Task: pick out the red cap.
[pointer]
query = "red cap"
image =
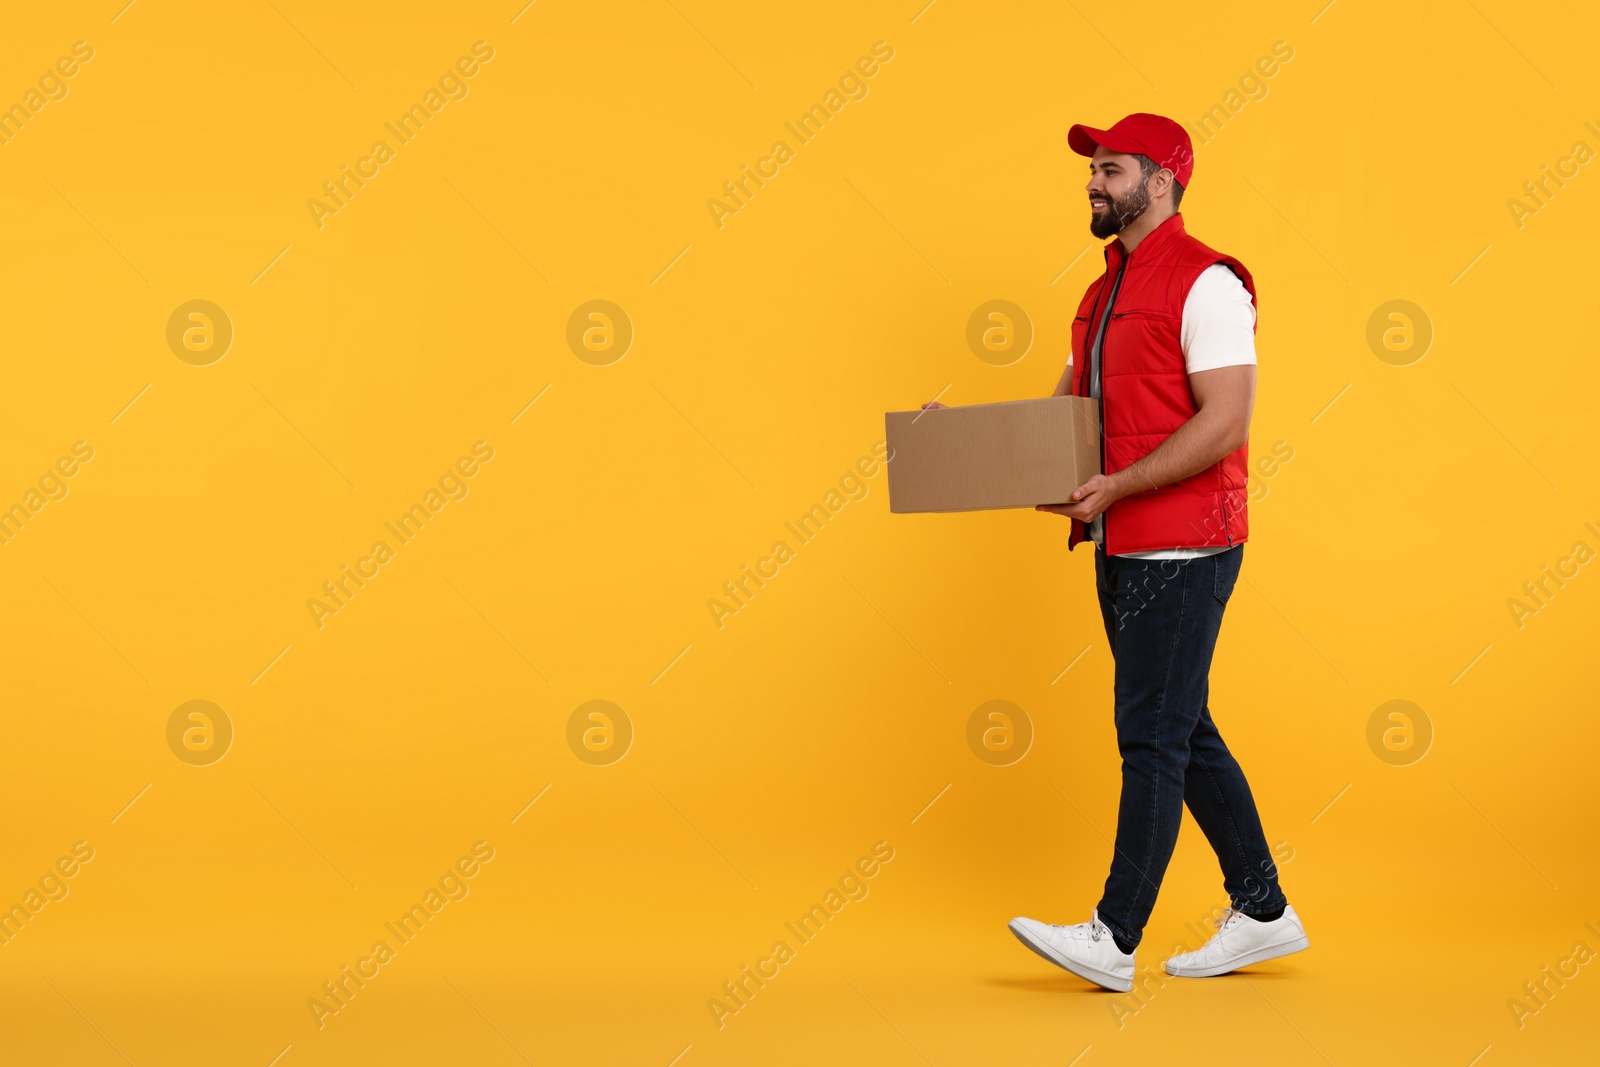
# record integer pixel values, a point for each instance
(1156, 136)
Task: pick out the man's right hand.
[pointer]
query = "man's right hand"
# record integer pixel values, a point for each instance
(931, 405)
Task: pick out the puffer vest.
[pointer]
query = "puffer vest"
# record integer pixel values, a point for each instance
(1145, 395)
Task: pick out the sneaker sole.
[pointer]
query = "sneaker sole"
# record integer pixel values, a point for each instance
(1088, 974)
(1260, 955)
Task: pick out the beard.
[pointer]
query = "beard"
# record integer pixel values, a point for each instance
(1122, 210)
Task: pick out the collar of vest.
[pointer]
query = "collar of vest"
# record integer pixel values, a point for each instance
(1169, 232)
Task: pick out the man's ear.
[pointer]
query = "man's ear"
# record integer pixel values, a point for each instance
(1161, 183)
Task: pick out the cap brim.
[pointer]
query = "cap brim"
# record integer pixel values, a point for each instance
(1085, 139)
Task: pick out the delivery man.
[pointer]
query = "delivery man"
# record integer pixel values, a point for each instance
(1165, 340)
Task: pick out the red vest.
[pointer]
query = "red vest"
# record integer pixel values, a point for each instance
(1145, 395)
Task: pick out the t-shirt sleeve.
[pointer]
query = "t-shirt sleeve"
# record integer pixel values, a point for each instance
(1218, 322)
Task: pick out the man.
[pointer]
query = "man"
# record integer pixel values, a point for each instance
(1165, 340)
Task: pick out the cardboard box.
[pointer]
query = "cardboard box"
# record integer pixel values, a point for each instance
(1010, 455)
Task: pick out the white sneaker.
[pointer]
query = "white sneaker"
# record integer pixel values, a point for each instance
(1085, 949)
(1241, 941)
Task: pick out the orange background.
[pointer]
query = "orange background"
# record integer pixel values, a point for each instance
(369, 354)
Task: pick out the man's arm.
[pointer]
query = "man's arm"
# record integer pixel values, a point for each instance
(1064, 386)
(1224, 397)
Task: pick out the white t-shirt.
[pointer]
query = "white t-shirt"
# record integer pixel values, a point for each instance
(1218, 330)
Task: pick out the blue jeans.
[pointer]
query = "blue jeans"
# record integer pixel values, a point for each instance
(1162, 618)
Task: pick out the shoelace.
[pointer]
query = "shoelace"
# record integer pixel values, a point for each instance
(1227, 915)
(1094, 929)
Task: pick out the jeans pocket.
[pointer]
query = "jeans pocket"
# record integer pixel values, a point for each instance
(1226, 573)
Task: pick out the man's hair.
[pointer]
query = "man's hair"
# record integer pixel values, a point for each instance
(1148, 166)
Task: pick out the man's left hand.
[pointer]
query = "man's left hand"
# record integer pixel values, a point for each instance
(1089, 500)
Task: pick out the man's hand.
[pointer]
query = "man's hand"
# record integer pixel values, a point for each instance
(1090, 499)
(930, 405)
(1224, 398)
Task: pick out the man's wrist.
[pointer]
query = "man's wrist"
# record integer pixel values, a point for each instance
(1119, 484)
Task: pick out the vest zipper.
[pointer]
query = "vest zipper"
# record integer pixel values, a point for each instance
(1087, 363)
(1097, 366)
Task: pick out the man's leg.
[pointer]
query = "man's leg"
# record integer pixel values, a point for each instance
(1163, 621)
(1087, 949)
(1219, 797)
